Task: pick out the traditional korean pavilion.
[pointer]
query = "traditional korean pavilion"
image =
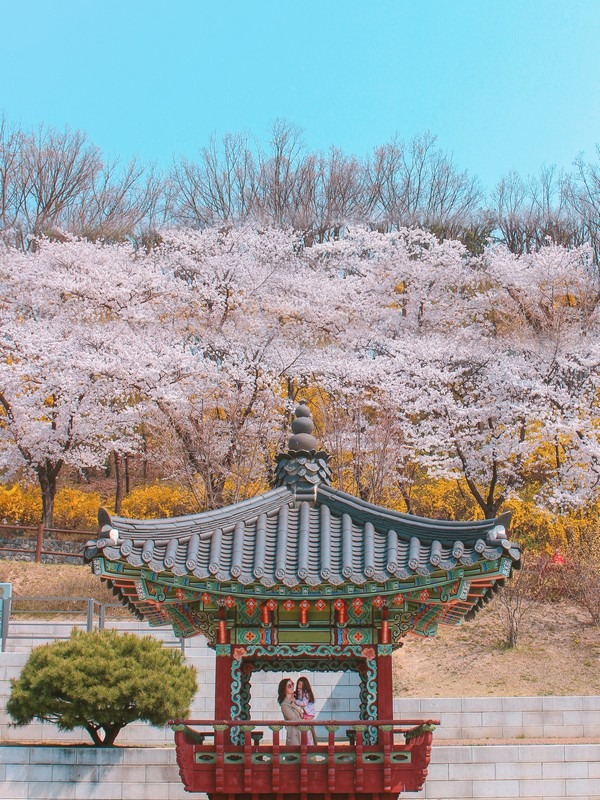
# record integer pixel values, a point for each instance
(303, 577)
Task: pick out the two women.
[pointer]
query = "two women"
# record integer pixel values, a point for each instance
(297, 703)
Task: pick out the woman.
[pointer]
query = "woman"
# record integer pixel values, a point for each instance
(290, 710)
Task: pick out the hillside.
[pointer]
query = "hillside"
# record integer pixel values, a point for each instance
(558, 652)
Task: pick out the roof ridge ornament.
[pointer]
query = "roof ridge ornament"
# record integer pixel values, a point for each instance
(302, 428)
(303, 467)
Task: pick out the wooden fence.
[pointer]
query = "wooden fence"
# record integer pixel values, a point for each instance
(37, 534)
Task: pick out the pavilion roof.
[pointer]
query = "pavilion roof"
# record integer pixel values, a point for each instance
(274, 540)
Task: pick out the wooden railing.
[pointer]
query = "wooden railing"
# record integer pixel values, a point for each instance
(236, 758)
(37, 533)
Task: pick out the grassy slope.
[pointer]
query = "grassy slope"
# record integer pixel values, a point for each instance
(558, 652)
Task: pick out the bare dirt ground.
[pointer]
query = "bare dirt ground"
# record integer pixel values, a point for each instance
(558, 652)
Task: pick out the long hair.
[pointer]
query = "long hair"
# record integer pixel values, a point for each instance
(281, 690)
(306, 687)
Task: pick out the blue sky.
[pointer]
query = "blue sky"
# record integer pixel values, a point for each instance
(504, 84)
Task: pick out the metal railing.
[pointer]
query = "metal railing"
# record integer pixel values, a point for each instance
(86, 613)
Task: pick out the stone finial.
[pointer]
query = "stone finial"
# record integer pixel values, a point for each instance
(302, 428)
(302, 468)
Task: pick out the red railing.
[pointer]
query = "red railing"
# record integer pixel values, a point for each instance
(38, 533)
(391, 758)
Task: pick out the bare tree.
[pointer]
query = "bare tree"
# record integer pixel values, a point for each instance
(417, 184)
(279, 173)
(530, 213)
(221, 188)
(120, 202)
(521, 594)
(586, 199)
(58, 169)
(328, 195)
(53, 181)
(11, 167)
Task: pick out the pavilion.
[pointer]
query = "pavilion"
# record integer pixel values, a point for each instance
(303, 577)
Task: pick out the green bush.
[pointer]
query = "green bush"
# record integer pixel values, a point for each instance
(102, 681)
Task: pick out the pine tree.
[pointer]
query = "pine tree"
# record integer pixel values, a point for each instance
(102, 681)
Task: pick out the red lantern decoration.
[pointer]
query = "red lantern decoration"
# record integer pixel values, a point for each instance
(222, 629)
(341, 607)
(304, 607)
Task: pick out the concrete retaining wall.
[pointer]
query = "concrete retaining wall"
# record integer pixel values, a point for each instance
(515, 771)
(538, 772)
(507, 717)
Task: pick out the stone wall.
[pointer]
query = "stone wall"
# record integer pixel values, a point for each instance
(74, 546)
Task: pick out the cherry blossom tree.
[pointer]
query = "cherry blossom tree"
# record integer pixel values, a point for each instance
(420, 358)
(84, 332)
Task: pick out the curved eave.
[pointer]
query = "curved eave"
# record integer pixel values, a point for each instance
(205, 522)
(407, 525)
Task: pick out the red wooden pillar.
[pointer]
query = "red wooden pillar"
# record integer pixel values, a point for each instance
(224, 661)
(385, 700)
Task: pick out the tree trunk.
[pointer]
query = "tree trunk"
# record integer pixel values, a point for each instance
(216, 489)
(110, 734)
(119, 482)
(127, 476)
(93, 732)
(47, 477)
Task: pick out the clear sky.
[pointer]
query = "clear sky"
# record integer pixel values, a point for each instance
(502, 83)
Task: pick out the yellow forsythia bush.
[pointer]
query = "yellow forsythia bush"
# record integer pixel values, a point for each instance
(76, 509)
(533, 527)
(73, 508)
(20, 504)
(443, 499)
(158, 500)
